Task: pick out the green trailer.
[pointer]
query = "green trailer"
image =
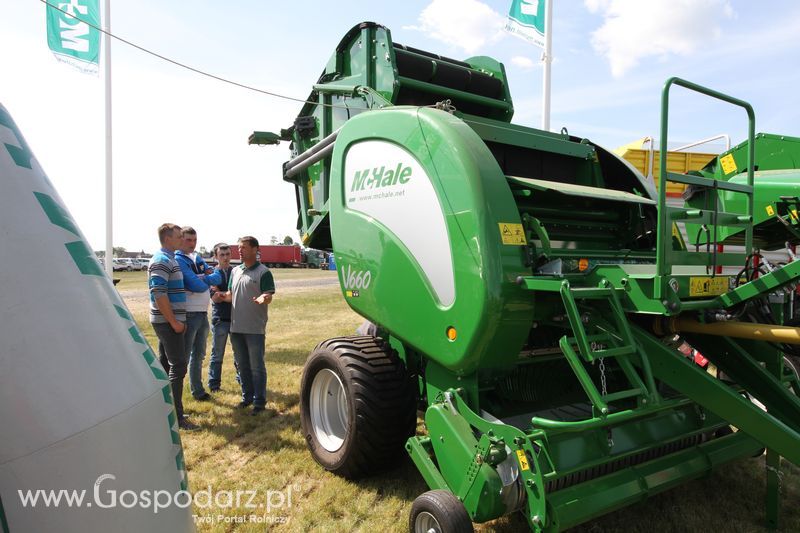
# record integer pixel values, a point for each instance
(529, 291)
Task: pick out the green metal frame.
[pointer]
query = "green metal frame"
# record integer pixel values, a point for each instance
(666, 258)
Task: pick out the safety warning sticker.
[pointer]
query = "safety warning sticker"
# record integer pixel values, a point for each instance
(512, 234)
(706, 286)
(523, 460)
(728, 164)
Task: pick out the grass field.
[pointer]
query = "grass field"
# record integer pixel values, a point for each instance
(234, 451)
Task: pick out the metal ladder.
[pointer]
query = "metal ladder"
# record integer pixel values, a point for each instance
(613, 340)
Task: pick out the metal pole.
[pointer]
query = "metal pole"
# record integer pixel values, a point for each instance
(547, 58)
(109, 197)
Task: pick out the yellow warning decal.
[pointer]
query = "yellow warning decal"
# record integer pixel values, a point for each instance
(523, 460)
(512, 234)
(728, 164)
(770, 210)
(310, 194)
(705, 286)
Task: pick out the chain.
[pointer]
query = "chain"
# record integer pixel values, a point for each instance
(444, 105)
(603, 376)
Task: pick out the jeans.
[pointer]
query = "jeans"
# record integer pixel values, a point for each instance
(172, 355)
(248, 351)
(195, 346)
(219, 337)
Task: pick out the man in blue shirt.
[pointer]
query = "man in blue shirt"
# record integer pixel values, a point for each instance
(220, 317)
(197, 277)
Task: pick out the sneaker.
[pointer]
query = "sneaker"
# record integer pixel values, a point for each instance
(186, 425)
(214, 389)
(257, 411)
(244, 405)
(203, 397)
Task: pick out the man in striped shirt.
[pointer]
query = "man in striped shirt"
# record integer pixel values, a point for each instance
(168, 313)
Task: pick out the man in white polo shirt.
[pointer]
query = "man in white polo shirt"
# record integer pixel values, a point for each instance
(250, 292)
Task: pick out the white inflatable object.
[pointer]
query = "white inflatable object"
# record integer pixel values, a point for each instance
(85, 407)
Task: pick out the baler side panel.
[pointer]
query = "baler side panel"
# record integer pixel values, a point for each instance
(490, 315)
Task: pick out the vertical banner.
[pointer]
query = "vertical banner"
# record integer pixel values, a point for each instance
(71, 39)
(526, 19)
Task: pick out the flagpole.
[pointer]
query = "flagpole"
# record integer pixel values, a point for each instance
(547, 59)
(109, 196)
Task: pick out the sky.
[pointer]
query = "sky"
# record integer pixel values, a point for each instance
(180, 151)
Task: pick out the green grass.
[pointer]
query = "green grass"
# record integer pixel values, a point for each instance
(131, 280)
(234, 451)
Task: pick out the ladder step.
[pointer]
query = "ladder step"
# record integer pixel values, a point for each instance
(614, 352)
(614, 396)
(584, 293)
(603, 338)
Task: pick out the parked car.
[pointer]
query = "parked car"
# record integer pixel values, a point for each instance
(123, 264)
(141, 263)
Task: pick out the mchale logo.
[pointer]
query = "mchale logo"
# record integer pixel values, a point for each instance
(380, 177)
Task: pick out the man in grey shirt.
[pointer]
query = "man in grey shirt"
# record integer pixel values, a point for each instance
(250, 292)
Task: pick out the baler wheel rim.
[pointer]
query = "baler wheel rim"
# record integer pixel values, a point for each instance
(439, 511)
(427, 523)
(328, 409)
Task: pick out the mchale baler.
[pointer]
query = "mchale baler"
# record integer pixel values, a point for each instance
(530, 291)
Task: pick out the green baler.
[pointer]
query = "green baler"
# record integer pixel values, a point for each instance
(529, 291)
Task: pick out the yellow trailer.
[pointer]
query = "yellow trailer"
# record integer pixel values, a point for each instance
(642, 155)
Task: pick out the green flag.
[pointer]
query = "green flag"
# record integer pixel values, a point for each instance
(526, 20)
(71, 39)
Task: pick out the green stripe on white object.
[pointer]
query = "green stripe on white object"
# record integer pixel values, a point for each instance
(98, 409)
(3, 521)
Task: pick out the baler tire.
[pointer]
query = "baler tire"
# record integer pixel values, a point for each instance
(380, 403)
(440, 506)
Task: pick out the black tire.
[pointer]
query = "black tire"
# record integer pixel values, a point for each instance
(380, 405)
(439, 511)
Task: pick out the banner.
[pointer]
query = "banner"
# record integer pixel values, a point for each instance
(72, 40)
(526, 20)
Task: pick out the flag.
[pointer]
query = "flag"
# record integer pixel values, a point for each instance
(71, 39)
(526, 20)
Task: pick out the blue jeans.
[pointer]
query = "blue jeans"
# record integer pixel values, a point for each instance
(219, 337)
(248, 351)
(196, 337)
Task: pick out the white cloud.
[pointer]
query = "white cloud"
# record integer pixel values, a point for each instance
(467, 24)
(634, 30)
(523, 62)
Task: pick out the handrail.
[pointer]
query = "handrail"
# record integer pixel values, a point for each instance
(707, 140)
(664, 225)
(650, 157)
